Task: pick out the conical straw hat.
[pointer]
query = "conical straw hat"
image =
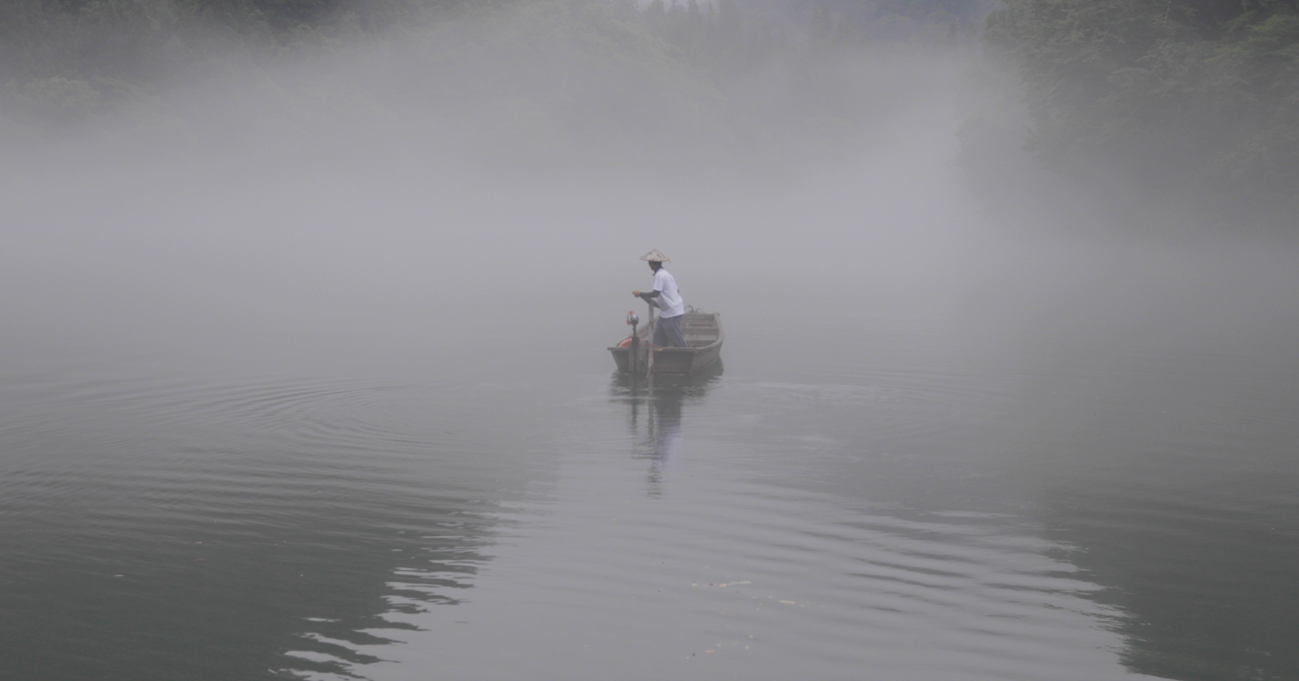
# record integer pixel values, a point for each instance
(656, 256)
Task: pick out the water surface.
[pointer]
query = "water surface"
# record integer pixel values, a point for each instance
(897, 496)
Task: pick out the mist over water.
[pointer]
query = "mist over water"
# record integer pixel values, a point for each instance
(304, 375)
(288, 204)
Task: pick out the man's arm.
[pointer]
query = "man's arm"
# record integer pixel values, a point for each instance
(647, 295)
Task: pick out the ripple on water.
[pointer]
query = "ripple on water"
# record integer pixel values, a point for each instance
(733, 574)
(233, 514)
(893, 404)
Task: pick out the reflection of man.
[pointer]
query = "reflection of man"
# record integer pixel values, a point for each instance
(668, 329)
(665, 432)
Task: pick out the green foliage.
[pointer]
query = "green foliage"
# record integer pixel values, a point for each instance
(681, 88)
(1180, 100)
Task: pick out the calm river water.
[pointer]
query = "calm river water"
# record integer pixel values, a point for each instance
(870, 501)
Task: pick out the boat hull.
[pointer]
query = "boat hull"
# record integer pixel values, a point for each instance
(703, 332)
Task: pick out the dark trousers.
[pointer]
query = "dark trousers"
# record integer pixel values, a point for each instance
(667, 332)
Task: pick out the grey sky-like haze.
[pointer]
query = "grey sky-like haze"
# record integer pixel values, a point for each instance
(470, 183)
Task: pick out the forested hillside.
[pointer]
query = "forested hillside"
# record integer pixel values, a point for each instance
(136, 40)
(1186, 105)
(683, 87)
(1148, 107)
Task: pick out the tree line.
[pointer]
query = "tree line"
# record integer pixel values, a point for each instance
(1188, 105)
(1191, 103)
(132, 39)
(701, 77)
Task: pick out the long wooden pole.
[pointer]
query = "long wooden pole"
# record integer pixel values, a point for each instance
(652, 321)
(633, 353)
(649, 347)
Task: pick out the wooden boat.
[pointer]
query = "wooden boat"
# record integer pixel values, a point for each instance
(703, 332)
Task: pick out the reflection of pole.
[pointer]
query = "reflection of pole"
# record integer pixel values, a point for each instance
(635, 411)
(649, 400)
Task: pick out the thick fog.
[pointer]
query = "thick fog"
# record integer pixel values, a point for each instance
(329, 304)
(411, 198)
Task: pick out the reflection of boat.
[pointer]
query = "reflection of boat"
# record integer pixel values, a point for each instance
(657, 427)
(703, 332)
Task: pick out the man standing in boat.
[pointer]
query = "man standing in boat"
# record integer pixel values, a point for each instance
(667, 332)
